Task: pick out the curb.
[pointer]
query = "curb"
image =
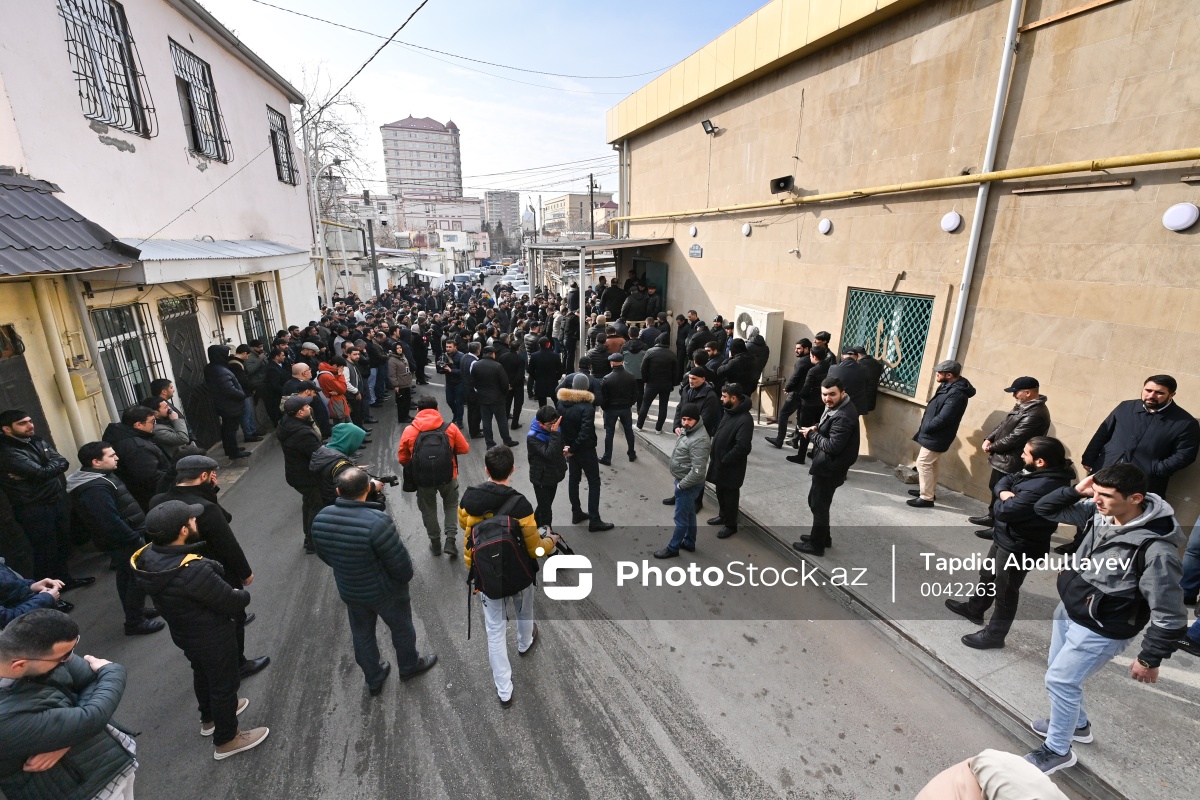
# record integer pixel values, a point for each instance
(1081, 778)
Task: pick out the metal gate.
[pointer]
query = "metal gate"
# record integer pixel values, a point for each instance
(16, 384)
(185, 349)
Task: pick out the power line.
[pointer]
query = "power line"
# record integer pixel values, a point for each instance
(455, 55)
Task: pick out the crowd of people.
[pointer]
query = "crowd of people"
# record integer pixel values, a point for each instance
(146, 495)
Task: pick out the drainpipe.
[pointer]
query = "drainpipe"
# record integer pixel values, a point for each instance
(42, 288)
(625, 198)
(989, 163)
(89, 337)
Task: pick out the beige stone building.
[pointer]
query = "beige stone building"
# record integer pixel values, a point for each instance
(1077, 281)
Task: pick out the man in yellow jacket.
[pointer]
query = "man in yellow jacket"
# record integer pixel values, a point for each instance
(482, 502)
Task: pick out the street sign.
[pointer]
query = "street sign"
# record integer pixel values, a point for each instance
(696, 251)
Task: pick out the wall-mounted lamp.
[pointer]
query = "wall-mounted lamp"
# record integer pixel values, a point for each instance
(709, 128)
(824, 226)
(692, 230)
(746, 229)
(951, 221)
(1181, 216)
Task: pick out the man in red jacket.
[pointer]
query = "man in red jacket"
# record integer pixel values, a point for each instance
(444, 441)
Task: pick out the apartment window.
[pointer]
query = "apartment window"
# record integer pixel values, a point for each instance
(108, 74)
(281, 143)
(202, 119)
(129, 350)
(456, 226)
(259, 322)
(893, 328)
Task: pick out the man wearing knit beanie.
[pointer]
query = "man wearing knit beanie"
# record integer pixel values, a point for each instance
(689, 460)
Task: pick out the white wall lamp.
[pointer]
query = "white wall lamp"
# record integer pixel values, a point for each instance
(692, 231)
(1180, 217)
(746, 229)
(824, 226)
(951, 221)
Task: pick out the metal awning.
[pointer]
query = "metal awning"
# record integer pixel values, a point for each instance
(597, 245)
(41, 234)
(185, 249)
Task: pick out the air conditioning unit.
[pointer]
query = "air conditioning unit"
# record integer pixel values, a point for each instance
(769, 322)
(234, 297)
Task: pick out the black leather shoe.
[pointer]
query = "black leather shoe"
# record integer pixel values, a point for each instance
(507, 703)
(423, 665)
(144, 627)
(240, 454)
(632, 457)
(249, 618)
(981, 640)
(963, 610)
(377, 688)
(984, 534)
(809, 548)
(983, 520)
(715, 521)
(915, 492)
(510, 443)
(578, 517)
(76, 583)
(778, 445)
(670, 501)
(253, 666)
(600, 525)
(515, 426)
(919, 502)
(807, 537)
(666, 552)
(726, 532)
(64, 606)
(796, 459)
(605, 461)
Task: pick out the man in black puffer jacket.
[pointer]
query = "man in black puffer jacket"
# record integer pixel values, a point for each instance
(199, 605)
(939, 426)
(545, 369)
(102, 504)
(1019, 531)
(227, 397)
(547, 464)
(620, 393)
(372, 570)
(658, 375)
(739, 368)
(300, 438)
(143, 465)
(729, 452)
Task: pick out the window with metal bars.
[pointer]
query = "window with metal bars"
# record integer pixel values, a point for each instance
(128, 348)
(259, 322)
(202, 119)
(281, 144)
(108, 73)
(893, 328)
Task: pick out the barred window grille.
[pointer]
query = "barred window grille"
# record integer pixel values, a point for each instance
(108, 73)
(893, 328)
(128, 348)
(259, 322)
(202, 119)
(281, 143)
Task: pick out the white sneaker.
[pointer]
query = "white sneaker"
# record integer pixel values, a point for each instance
(208, 728)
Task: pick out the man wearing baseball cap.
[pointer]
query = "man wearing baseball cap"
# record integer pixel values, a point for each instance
(1028, 418)
(939, 426)
(199, 606)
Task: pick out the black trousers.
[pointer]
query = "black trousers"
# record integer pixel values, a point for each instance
(133, 597)
(1008, 582)
(47, 527)
(612, 417)
(820, 498)
(790, 406)
(403, 404)
(663, 393)
(569, 355)
(499, 413)
(312, 503)
(544, 513)
(728, 500)
(809, 415)
(516, 399)
(474, 418)
(230, 423)
(215, 679)
(578, 465)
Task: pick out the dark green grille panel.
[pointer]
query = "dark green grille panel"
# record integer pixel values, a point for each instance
(893, 328)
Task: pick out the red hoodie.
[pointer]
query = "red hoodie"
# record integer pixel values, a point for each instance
(430, 420)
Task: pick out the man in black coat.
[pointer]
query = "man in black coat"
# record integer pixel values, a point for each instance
(299, 439)
(545, 369)
(654, 301)
(1153, 433)
(144, 466)
(791, 389)
(491, 385)
(873, 368)
(730, 449)
(31, 474)
(811, 404)
(612, 300)
(700, 392)
(1018, 531)
(739, 368)
(199, 605)
(939, 426)
(854, 378)
(577, 407)
(598, 356)
(658, 377)
(514, 367)
(196, 484)
(620, 394)
(275, 376)
(683, 331)
(835, 449)
(227, 397)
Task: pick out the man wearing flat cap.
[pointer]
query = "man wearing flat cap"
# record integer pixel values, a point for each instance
(620, 393)
(300, 438)
(199, 605)
(939, 426)
(1029, 418)
(196, 486)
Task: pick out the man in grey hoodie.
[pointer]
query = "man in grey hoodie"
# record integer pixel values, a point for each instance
(1124, 575)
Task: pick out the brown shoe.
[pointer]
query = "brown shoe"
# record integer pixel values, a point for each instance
(245, 740)
(209, 728)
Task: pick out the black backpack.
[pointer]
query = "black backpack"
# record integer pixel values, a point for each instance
(432, 461)
(500, 564)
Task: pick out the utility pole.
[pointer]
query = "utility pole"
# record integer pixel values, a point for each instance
(592, 204)
(371, 239)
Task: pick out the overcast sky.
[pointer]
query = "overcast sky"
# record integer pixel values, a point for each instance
(506, 125)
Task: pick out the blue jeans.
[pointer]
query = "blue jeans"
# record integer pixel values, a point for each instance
(380, 383)
(371, 378)
(1191, 563)
(1076, 654)
(454, 399)
(611, 417)
(396, 612)
(248, 426)
(685, 516)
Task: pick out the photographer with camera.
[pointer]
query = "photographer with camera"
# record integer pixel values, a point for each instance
(331, 460)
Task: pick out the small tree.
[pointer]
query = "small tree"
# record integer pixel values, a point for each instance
(332, 127)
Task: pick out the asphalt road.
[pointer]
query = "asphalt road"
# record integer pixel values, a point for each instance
(717, 702)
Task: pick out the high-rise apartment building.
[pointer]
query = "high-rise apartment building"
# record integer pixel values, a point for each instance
(422, 158)
(503, 207)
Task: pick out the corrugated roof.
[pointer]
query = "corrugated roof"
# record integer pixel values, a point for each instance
(184, 249)
(40, 233)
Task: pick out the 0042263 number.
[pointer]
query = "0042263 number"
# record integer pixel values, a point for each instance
(958, 590)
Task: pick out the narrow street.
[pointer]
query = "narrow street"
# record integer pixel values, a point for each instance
(604, 708)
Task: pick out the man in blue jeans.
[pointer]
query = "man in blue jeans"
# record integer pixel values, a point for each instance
(451, 367)
(689, 461)
(1134, 580)
(371, 567)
